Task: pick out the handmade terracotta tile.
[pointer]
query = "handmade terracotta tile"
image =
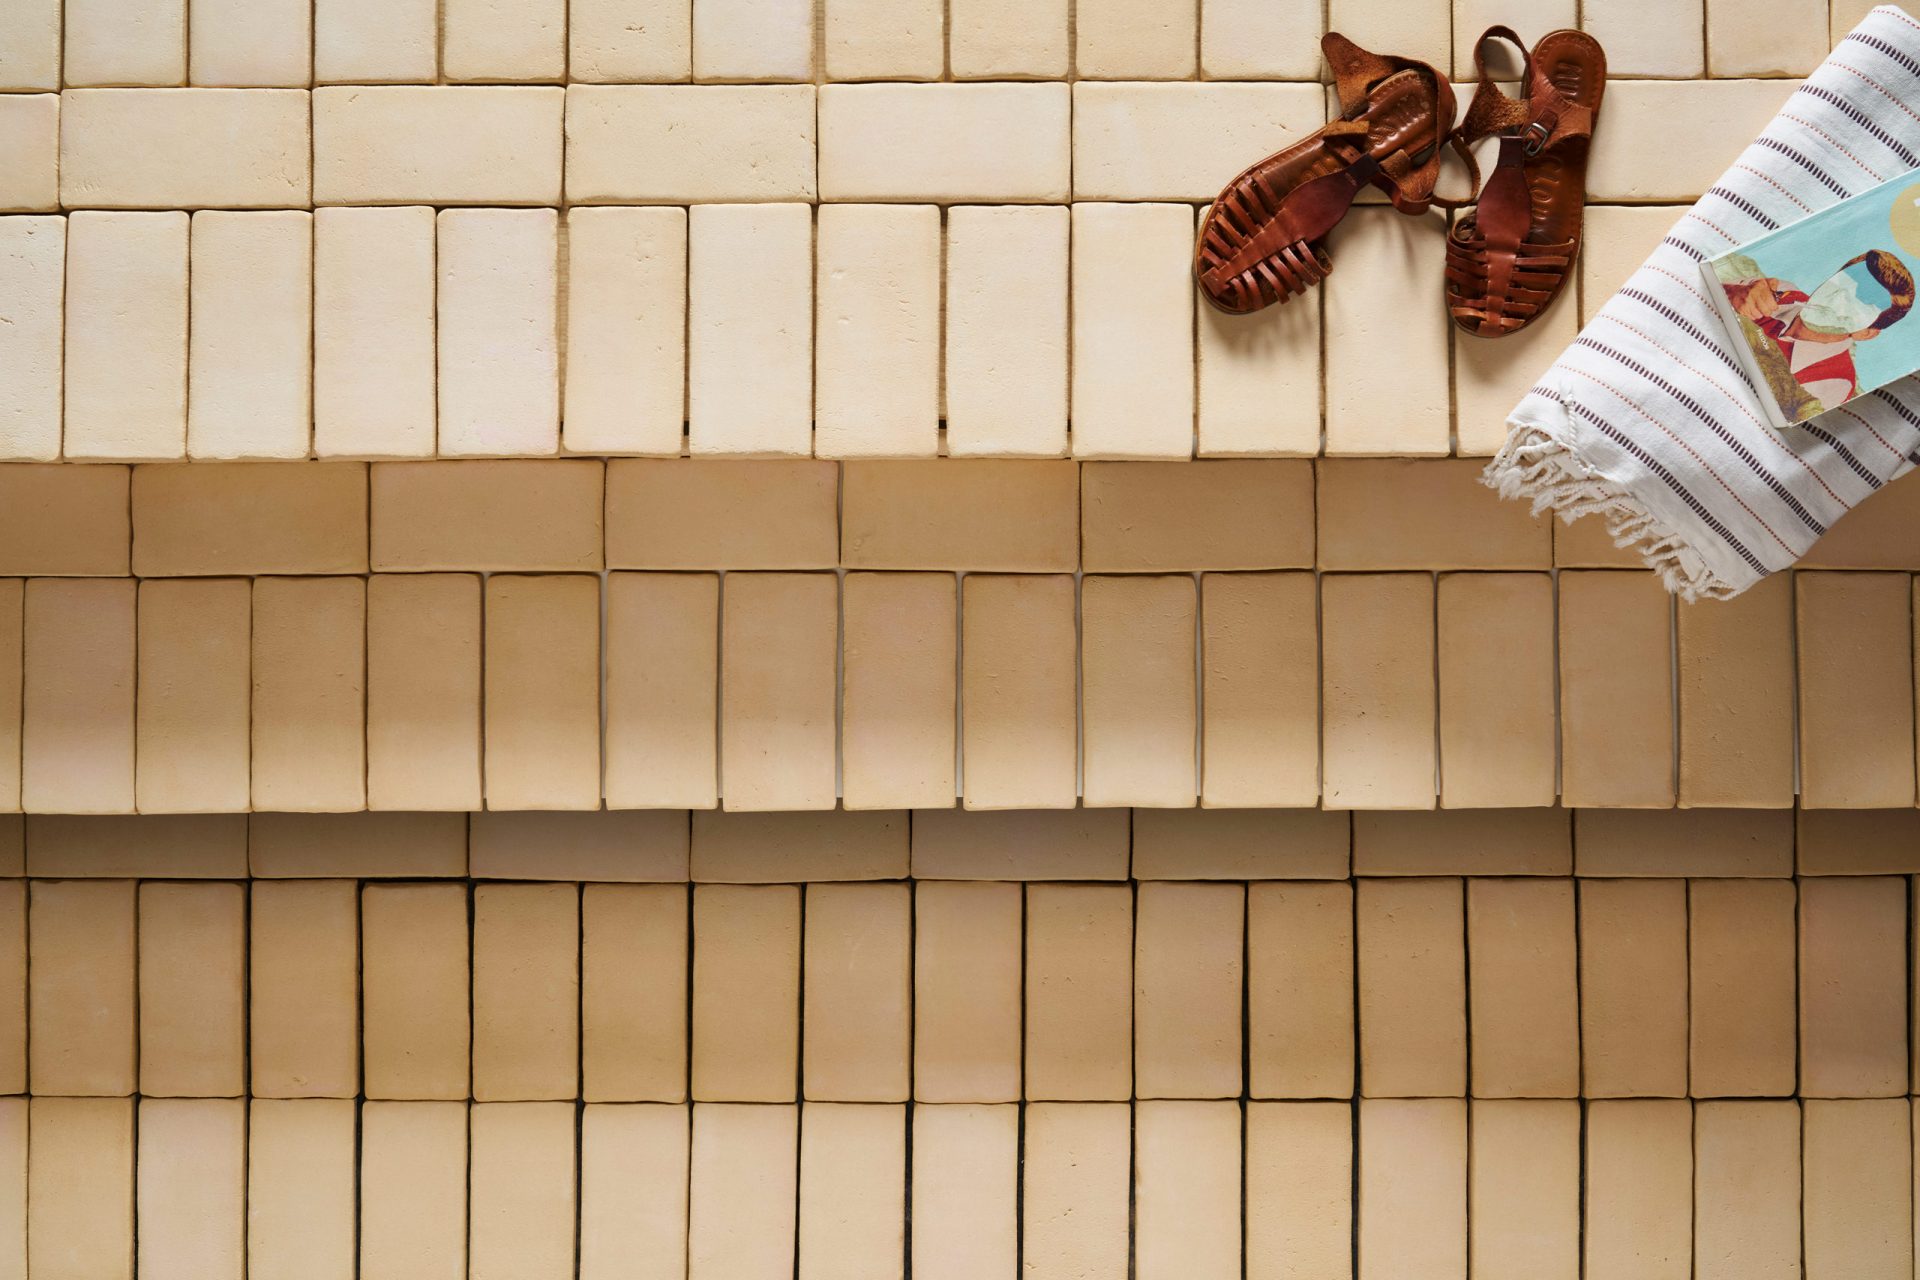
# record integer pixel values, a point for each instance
(743, 1194)
(193, 701)
(853, 1165)
(876, 385)
(1377, 691)
(1736, 708)
(967, 971)
(1300, 992)
(1857, 1186)
(1412, 1195)
(1746, 1190)
(192, 992)
(522, 1200)
(82, 1029)
(626, 355)
(423, 691)
(1616, 691)
(301, 1156)
(965, 1183)
(633, 993)
(898, 695)
(746, 993)
(1186, 1189)
(857, 1000)
(416, 990)
(1139, 702)
(374, 376)
(1524, 988)
(1411, 948)
(1639, 1189)
(303, 980)
(541, 692)
(1855, 646)
(1079, 1027)
(1853, 980)
(413, 1190)
(1497, 690)
(1523, 1189)
(526, 992)
(1188, 973)
(250, 335)
(190, 1186)
(1633, 988)
(1741, 988)
(1074, 1190)
(633, 1191)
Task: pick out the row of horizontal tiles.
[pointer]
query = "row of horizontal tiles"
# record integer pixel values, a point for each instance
(869, 330)
(840, 846)
(775, 691)
(46, 44)
(975, 515)
(957, 991)
(699, 144)
(1160, 1190)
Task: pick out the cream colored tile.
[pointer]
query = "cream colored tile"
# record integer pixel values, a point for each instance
(1005, 372)
(779, 639)
(374, 375)
(541, 692)
(898, 690)
(1377, 691)
(309, 694)
(857, 1001)
(1412, 1003)
(1413, 1188)
(1079, 1028)
(1855, 641)
(1639, 1189)
(1497, 689)
(626, 353)
(1381, 298)
(1139, 704)
(1616, 691)
(1133, 389)
(526, 992)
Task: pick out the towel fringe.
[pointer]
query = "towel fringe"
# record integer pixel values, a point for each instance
(1534, 465)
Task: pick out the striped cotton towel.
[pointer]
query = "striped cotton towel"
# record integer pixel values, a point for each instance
(1647, 420)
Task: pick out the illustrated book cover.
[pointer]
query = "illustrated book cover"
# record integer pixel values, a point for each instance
(1818, 309)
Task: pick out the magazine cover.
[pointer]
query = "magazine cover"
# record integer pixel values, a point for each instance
(1819, 308)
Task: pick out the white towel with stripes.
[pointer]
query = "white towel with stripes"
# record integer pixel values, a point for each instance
(1647, 420)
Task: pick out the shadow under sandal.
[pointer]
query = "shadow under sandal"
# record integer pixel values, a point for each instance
(1510, 257)
(1260, 243)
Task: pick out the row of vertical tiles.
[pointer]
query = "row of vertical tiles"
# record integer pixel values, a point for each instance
(772, 691)
(1159, 1190)
(714, 846)
(977, 515)
(46, 44)
(962, 991)
(870, 330)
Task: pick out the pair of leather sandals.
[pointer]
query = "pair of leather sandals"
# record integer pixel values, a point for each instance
(1263, 241)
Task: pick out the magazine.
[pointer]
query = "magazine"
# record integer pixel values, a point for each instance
(1818, 309)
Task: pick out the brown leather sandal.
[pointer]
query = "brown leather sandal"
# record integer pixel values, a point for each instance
(1260, 243)
(1511, 256)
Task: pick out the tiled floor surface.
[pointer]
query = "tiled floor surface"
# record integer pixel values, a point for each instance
(1358, 633)
(896, 1037)
(355, 229)
(1432, 1045)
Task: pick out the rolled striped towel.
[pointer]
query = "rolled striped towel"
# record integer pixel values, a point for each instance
(1647, 420)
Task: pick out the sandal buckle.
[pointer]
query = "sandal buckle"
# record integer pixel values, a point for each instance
(1537, 134)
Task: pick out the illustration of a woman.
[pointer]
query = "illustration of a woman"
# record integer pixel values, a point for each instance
(1815, 333)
